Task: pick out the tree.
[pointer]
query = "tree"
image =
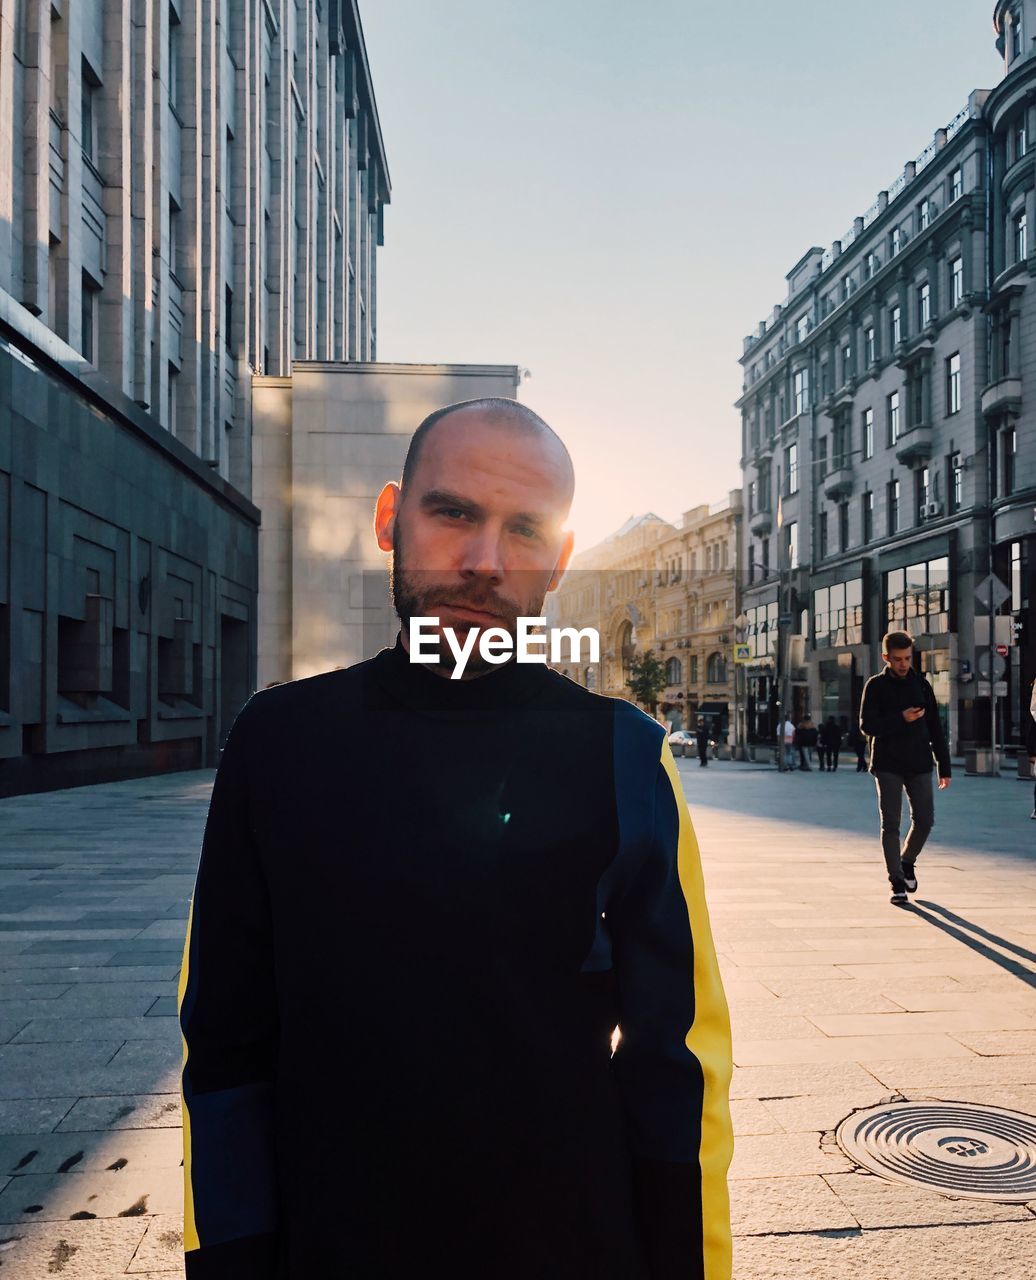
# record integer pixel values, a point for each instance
(647, 680)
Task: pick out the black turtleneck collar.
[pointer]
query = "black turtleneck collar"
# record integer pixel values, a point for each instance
(419, 687)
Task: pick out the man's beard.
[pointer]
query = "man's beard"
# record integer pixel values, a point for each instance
(414, 598)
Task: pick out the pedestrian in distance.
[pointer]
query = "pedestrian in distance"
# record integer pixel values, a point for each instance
(1030, 743)
(806, 739)
(424, 906)
(701, 737)
(830, 744)
(858, 744)
(787, 744)
(900, 716)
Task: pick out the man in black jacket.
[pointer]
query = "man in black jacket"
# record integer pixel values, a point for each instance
(899, 715)
(424, 905)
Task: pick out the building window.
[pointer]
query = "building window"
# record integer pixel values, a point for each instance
(716, 669)
(955, 485)
(870, 265)
(821, 463)
(922, 492)
(895, 241)
(800, 383)
(956, 183)
(892, 414)
(90, 100)
(766, 557)
(751, 563)
(822, 534)
(843, 526)
(924, 214)
(171, 398)
(953, 383)
(1019, 598)
(694, 669)
(869, 350)
(1010, 447)
(956, 281)
(801, 328)
(867, 433)
(228, 319)
(1021, 137)
(1006, 328)
(174, 59)
(924, 306)
(867, 518)
(674, 671)
(847, 363)
(1016, 32)
(88, 319)
(793, 545)
(791, 467)
(174, 239)
(895, 326)
(1021, 236)
(917, 598)
(752, 490)
(838, 614)
(892, 492)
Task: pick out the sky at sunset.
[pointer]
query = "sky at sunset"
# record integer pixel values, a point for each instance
(609, 195)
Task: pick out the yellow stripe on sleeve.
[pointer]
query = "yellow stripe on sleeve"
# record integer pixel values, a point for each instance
(190, 1230)
(709, 1041)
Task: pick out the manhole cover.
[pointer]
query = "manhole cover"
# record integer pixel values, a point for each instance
(977, 1153)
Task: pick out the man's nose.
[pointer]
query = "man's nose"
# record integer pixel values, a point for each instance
(483, 554)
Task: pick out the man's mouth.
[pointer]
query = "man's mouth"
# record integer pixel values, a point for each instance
(478, 617)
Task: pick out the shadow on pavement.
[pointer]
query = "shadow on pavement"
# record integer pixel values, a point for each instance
(931, 911)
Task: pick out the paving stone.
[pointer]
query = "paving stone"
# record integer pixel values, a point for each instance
(911, 1074)
(64, 1030)
(762, 1206)
(32, 1115)
(818, 1114)
(98, 1250)
(875, 1202)
(994, 1251)
(161, 1250)
(749, 1117)
(771, 1026)
(62, 1152)
(804, 1080)
(952, 1022)
(757, 1053)
(785, 1155)
(141, 1111)
(1001, 1043)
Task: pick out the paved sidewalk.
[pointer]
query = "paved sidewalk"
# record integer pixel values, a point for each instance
(839, 1001)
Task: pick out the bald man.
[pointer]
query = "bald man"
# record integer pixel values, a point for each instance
(424, 906)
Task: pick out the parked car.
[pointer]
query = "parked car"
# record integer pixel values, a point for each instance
(683, 743)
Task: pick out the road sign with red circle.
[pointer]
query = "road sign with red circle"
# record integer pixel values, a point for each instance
(1002, 650)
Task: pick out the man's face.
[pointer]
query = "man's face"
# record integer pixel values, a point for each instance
(900, 661)
(477, 536)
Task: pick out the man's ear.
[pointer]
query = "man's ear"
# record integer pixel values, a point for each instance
(385, 513)
(562, 564)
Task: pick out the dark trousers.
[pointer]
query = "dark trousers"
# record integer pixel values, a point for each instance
(828, 757)
(703, 754)
(918, 787)
(804, 758)
(861, 758)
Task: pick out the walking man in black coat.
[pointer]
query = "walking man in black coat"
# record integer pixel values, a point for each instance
(900, 716)
(701, 737)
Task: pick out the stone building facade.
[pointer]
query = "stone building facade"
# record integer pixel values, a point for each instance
(888, 463)
(668, 588)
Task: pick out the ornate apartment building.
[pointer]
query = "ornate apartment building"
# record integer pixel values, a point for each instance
(192, 196)
(888, 456)
(667, 588)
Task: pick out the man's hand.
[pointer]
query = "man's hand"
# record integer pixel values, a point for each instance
(943, 783)
(913, 713)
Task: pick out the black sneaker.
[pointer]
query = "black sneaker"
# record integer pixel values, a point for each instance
(899, 897)
(909, 877)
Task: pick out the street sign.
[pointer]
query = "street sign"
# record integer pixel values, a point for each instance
(1000, 592)
(984, 662)
(786, 619)
(742, 653)
(999, 689)
(1002, 650)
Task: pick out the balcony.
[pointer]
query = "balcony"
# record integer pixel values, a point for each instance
(839, 484)
(1005, 394)
(761, 523)
(915, 445)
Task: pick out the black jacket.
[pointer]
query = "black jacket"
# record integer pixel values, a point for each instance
(830, 735)
(897, 745)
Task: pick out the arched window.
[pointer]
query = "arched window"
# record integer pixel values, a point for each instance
(717, 669)
(674, 671)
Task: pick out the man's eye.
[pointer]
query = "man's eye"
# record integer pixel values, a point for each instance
(453, 513)
(525, 531)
